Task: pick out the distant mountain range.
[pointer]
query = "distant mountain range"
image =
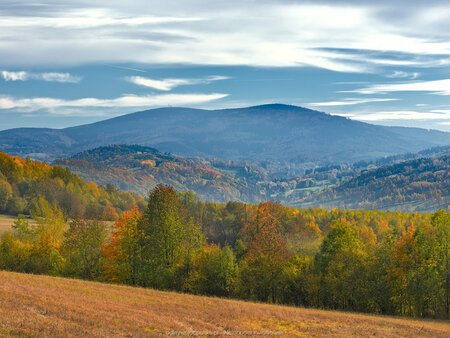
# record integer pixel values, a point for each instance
(295, 155)
(296, 137)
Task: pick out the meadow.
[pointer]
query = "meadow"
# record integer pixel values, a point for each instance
(6, 222)
(37, 305)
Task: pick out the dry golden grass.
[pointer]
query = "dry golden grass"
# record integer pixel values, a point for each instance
(5, 223)
(47, 306)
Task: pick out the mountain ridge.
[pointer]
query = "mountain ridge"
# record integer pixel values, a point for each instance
(298, 136)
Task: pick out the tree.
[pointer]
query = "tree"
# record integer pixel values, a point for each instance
(82, 249)
(341, 262)
(109, 213)
(5, 194)
(212, 271)
(48, 236)
(123, 252)
(167, 237)
(50, 222)
(267, 254)
(419, 270)
(441, 225)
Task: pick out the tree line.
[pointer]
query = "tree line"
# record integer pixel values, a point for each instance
(369, 261)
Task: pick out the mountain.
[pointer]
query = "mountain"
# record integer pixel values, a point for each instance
(275, 133)
(417, 185)
(140, 169)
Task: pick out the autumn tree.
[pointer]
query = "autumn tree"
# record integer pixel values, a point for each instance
(123, 250)
(419, 270)
(109, 213)
(266, 255)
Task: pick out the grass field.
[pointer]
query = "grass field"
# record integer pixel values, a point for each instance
(5, 223)
(32, 305)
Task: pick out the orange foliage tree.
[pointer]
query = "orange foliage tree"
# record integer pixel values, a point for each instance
(122, 252)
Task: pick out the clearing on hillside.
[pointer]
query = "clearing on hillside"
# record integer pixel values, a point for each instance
(32, 305)
(6, 222)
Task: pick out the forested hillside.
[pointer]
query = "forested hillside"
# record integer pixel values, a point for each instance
(368, 261)
(26, 185)
(140, 169)
(417, 185)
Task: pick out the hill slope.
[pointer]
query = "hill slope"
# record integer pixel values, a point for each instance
(35, 305)
(262, 133)
(24, 182)
(140, 169)
(416, 185)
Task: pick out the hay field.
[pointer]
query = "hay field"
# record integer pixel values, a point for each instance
(5, 222)
(32, 305)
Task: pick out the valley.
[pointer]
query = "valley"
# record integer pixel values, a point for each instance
(139, 169)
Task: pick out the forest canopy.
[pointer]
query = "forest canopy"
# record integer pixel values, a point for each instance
(369, 261)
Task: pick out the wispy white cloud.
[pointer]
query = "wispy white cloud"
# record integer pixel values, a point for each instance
(49, 77)
(439, 87)
(401, 74)
(442, 111)
(14, 76)
(91, 18)
(169, 84)
(52, 104)
(398, 115)
(348, 102)
(263, 33)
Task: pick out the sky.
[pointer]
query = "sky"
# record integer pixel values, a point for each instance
(65, 63)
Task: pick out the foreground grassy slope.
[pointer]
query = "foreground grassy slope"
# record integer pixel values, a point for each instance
(33, 305)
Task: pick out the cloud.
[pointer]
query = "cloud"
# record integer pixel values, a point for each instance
(169, 84)
(49, 77)
(51, 104)
(442, 111)
(90, 18)
(398, 115)
(14, 76)
(262, 33)
(347, 102)
(58, 77)
(439, 87)
(401, 74)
